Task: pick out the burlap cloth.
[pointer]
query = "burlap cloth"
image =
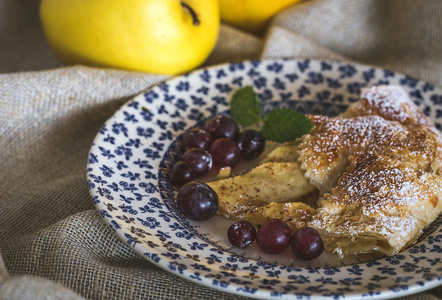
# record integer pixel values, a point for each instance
(53, 243)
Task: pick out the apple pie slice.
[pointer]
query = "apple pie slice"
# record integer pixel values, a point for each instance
(375, 171)
(380, 178)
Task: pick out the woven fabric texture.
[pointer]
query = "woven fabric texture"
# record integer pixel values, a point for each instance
(53, 243)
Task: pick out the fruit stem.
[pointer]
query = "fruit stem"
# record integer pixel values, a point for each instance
(193, 14)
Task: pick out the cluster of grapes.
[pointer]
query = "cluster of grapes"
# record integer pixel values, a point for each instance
(274, 237)
(221, 144)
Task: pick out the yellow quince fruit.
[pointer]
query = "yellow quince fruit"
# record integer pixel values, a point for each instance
(251, 15)
(157, 36)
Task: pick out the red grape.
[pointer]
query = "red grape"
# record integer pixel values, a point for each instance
(307, 244)
(222, 126)
(199, 159)
(224, 152)
(197, 138)
(241, 234)
(274, 236)
(181, 173)
(251, 143)
(197, 201)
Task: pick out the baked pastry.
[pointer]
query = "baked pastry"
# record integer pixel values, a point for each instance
(380, 182)
(380, 175)
(389, 102)
(295, 214)
(375, 172)
(266, 183)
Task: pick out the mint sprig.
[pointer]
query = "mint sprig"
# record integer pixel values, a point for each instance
(279, 125)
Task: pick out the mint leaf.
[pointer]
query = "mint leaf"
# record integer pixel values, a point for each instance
(280, 125)
(283, 125)
(245, 106)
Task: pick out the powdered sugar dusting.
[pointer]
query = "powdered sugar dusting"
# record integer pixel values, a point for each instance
(389, 102)
(380, 177)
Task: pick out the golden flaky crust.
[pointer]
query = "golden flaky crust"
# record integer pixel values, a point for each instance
(268, 182)
(378, 168)
(389, 102)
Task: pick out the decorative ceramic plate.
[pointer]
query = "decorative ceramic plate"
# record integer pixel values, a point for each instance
(129, 166)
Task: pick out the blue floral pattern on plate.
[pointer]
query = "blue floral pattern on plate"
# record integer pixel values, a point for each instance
(128, 176)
